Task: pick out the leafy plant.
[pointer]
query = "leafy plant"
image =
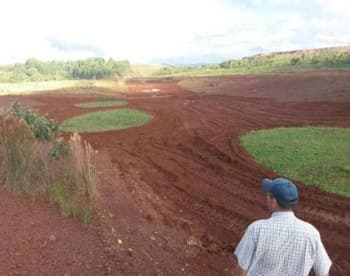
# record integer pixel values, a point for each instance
(42, 127)
(59, 149)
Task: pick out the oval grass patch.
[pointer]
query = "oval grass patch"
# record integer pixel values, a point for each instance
(314, 155)
(101, 104)
(106, 120)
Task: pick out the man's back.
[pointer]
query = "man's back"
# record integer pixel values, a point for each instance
(282, 245)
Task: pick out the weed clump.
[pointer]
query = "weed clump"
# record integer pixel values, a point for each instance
(31, 163)
(75, 192)
(19, 150)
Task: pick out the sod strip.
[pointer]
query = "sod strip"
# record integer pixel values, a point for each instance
(313, 155)
(101, 104)
(106, 120)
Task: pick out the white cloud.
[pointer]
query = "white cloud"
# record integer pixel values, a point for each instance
(339, 7)
(158, 29)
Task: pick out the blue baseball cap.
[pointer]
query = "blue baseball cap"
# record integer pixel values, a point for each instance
(284, 190)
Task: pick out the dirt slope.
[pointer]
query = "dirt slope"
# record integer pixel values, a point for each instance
(179, 192)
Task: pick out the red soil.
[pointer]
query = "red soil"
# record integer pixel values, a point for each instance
(176, 195)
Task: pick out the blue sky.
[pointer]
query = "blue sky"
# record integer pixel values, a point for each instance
(161, 31)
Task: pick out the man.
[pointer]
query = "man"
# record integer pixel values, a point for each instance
(283, 244)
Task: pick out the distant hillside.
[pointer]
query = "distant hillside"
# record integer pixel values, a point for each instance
(99, 68)
(311, 51)
(323, 57)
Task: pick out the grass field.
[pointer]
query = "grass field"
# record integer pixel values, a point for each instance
(258, 69)
(106, 120)
(33, 87)
(101, 104)
(314, 155)
(143, 70)
(121, 86)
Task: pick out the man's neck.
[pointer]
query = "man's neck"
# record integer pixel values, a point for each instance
(279, 209)
(283, 213)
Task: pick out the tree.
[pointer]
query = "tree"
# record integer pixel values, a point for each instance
(34, 63)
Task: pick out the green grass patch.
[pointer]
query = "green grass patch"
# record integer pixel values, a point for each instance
(101, 104)
(314, 155)
(106, 120)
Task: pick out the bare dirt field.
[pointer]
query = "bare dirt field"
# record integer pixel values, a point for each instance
(176, 194)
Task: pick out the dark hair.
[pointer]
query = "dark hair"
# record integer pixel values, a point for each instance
(284, 206)
(281, 205)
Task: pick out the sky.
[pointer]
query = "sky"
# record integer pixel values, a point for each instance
(164, 31)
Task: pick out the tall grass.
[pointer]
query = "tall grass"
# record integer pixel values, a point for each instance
(84, 161)
(22, 164)
(66, 172)
(76, 190)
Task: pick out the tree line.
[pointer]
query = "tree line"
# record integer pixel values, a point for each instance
(91, 68)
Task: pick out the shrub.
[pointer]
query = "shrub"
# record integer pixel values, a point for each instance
(59, 150)
(42, 127)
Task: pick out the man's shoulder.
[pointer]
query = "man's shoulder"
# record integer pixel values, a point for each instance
(256, 225)
(299, 224)
(307, 227)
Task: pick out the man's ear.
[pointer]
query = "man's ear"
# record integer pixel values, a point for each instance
(274, 203)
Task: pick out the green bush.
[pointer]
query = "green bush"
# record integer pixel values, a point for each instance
(42, 127)
(59, 150)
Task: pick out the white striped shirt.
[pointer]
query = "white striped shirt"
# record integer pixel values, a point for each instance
(282, 245)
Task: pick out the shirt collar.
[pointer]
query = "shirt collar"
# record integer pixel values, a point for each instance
(283, 214)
